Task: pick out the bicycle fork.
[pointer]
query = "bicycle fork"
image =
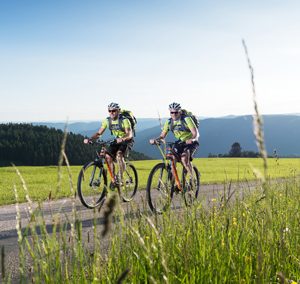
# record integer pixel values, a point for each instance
(110, 172)
(175, 174)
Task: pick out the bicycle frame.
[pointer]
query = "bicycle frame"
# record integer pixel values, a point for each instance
(102, 155)
(169, 155)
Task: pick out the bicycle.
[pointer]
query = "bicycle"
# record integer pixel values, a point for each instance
(92, 179)
(164, 180)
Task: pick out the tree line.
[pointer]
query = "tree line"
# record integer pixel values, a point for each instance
(25, 144)
(236, 152)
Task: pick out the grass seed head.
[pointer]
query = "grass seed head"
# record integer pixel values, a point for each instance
(110, 206)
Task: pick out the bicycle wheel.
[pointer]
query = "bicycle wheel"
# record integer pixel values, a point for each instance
(191, 186)
(160, 188)
(92, 184)
(129, 183)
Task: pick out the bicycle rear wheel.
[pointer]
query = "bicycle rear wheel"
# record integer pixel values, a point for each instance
(160, 187)
(191, 186)
(129, 183)
(92, 185)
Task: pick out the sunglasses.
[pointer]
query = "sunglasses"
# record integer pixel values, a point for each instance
(113, 110)
(173, 112)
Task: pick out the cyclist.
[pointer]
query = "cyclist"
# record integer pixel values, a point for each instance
(120, 127)
(184, 130)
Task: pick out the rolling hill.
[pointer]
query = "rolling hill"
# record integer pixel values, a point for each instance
(282, 132)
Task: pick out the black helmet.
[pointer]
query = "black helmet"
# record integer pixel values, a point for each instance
(175, 106)
(113, 106)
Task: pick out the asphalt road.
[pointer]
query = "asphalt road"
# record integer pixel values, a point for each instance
(63, 209)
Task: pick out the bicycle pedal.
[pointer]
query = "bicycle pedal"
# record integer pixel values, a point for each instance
(188, 188)
(96, 183)
(177, 189)
(112, 186)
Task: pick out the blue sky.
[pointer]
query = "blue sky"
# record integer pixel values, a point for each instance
(70, 59)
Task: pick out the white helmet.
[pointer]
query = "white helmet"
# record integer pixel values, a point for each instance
(113, 106)
(175, 106)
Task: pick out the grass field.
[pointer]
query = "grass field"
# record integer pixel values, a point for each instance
(255, 239)
(41, 181)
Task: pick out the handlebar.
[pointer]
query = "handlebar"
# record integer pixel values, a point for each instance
(102, 142)
(167, 150)
(158, 142)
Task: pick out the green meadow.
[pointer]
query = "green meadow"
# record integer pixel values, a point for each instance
(42, 182)
(255, 239)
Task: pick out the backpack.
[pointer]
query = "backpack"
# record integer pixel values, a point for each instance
(123, 115)
(184, 114)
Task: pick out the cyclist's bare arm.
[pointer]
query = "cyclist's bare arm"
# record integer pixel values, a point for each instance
(128, 136)
(162, 136)
(95, 136)
(195, 135)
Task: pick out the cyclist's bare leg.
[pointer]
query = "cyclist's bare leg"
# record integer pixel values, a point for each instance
(110, 162)
(186, 161)
(121, 162)
(173, 169)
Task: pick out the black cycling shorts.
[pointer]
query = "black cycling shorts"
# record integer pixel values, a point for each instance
(124, 147)
(181, 148)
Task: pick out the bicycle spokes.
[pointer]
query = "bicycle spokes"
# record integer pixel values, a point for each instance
(127, 183)
(95, 181)
(159, 188)
(191, 184)
(91, 185)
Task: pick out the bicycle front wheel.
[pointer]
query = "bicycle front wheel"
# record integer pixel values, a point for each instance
(92, 185)
(160, 188)
(129, 183)
(191, 186)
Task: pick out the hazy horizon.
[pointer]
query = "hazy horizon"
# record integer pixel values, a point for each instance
(100, 119)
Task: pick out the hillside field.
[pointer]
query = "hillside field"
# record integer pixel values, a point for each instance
(40, 181)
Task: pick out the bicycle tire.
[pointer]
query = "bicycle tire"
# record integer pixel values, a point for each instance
(129, 184)
(159, 197)
(91, 192)
(191, 196)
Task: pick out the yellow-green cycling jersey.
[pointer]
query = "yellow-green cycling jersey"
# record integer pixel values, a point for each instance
(181, 128)
(117, 126)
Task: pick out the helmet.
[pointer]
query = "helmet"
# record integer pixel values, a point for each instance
(112, 106)
(175, 106)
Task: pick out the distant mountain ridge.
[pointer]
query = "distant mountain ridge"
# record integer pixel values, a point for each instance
(89, 128)
(282, 132)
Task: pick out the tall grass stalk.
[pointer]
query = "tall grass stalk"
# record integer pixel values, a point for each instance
(257, 118)
(61, 160)
(24, 186)
(2, 262)
(20, 236)
(267, 222)
(259, 135)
